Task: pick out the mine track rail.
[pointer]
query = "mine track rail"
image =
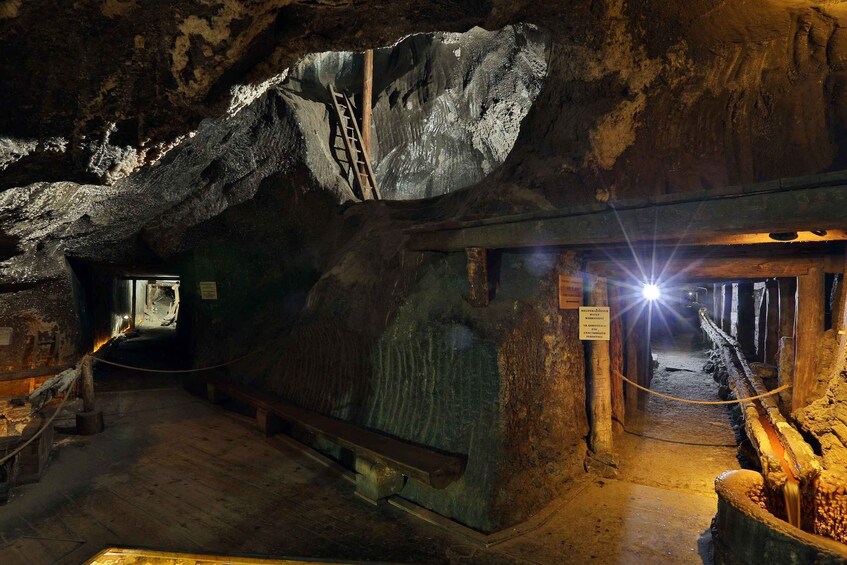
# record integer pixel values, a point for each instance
(780, 446)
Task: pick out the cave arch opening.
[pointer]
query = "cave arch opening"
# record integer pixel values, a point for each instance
(446, 107)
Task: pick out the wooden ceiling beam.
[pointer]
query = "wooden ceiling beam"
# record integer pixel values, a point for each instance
(722, 268)
(689, 222)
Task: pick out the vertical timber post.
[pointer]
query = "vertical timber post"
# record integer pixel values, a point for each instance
(600, 390)
(148, 291)
(809, 330)
(726, 315)
(616, 358)
(367, 94)
(746, 319)
(90, 420)
(772, 321)
(645, 375)
(479, 292)
(838, 306)
(787, 313)
(633, 355)
(761, 323)
(717, 293)
(132, 306)
(839, 323)
(787, 306)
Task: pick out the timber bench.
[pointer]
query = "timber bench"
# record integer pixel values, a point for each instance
(382, 461)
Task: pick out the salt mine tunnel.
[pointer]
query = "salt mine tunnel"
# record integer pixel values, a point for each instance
(423, 282)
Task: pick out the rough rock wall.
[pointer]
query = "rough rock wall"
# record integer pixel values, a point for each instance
(454, 113)
(44, 325)
(447, 107)
(641, 97)
(225, 162)
(97, 89)
(420, 363)
(543, 418)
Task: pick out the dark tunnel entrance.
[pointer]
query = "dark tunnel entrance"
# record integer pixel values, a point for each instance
(130, 319)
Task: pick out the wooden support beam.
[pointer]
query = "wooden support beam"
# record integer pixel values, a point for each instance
(148, 290)
(787, 306)
(616, 354)
(839, 323)
(600, 381)
(761, 323)
(717, 295)
(267, 422)
(24, 374)
(771, 321)
(633, 340)
(838, 305)
(645, 356)
(132, 307)
(367, 95)
(726, 311)
(721, 268)
(809, 331)
(683, 218)
(479, 291)
(745, 316)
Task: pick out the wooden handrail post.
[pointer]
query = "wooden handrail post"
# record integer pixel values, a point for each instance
(90, 420)
(600, 379)
(87, 385)
(616, 354)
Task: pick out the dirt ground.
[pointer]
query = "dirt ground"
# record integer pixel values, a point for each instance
(677, 445)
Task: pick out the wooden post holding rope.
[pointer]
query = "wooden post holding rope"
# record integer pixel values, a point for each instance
(600, 381)
(616, 355)
(90, 420)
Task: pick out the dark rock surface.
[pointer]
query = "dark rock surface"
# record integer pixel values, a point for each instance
(206, 160)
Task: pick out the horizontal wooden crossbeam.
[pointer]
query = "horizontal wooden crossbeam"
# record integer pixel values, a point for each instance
(682, 219)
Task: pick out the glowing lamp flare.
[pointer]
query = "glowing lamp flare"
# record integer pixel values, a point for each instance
(650, 291)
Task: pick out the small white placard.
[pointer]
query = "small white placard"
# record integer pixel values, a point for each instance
(5, 336)
(208, 290)
(594, 323)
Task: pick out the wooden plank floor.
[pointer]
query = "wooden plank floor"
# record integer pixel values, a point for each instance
(173, 472)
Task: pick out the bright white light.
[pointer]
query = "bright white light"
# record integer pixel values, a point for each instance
(126, 317)
(650, 291)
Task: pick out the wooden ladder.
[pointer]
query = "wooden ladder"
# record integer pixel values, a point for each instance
(359, 161)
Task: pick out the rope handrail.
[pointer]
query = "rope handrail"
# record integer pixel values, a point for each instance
(712, 402)
(197, 370)
(49, 422)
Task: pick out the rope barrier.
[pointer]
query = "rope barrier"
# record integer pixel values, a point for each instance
(713, 402)
(49, 423)
(146, 370)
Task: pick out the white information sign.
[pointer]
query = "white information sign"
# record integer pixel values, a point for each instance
(208, 290)
(5, 336)
(594, 323)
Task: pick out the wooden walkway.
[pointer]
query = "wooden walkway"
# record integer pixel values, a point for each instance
(172, 472)
(175, 473)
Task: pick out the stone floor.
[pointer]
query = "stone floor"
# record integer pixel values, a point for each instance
(173, 472)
